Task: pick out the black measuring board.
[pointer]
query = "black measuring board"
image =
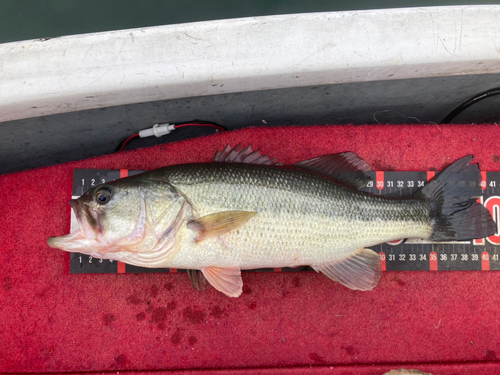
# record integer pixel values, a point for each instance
(402, 255)
(422, 255)
(83, 180)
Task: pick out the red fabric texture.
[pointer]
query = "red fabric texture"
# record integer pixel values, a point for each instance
(51, 321)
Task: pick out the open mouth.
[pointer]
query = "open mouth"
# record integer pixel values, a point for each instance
(87, 218)
(77, 209)
(75, 240)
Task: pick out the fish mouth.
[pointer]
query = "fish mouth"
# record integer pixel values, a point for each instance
(69, 242)
(53, 242)
(87, 219)
(77, 209)
(74, 242)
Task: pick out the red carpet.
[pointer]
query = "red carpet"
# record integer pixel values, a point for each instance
(51, 321)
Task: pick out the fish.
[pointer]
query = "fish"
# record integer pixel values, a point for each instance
(245, 211)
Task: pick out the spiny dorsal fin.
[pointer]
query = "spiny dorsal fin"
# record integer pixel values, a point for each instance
(360, 271)
(346, 167)
(214, 225)
(240, 154)
(225, 280)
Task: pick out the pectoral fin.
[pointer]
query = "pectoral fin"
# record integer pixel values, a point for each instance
(214, 225)
(225, 280)
(360, 271)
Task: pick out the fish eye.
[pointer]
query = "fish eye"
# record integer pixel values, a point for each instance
(103, 196)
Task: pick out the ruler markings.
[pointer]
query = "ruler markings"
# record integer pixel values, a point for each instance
(405, 255)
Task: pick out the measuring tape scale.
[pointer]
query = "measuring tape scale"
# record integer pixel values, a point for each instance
(403, 255)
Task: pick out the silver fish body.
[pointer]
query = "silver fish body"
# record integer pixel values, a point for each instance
(302, 218)
(221, 218)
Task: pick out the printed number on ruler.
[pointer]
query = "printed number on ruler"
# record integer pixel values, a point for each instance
(403, 255)
(83, 180)
(418, 254)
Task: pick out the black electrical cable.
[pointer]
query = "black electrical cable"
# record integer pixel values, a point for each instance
(468, 103)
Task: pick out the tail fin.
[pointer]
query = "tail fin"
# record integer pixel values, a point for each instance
(453, 195)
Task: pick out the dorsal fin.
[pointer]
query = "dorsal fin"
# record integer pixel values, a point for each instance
(240, 154)
(346, 167)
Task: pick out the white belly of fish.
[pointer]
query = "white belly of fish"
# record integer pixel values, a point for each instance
(280, 239)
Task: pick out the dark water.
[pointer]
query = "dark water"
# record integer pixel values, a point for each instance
(30, 19)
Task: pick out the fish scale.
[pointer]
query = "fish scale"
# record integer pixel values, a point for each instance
(299, 214)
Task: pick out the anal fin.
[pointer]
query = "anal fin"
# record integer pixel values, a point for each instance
(225, 280)
(360, 271)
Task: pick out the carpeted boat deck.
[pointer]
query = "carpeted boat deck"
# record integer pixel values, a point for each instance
(290, 322)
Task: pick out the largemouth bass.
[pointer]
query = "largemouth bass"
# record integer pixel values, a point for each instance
(244, 212)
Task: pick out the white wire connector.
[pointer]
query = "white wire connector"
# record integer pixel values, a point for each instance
(157, 130)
